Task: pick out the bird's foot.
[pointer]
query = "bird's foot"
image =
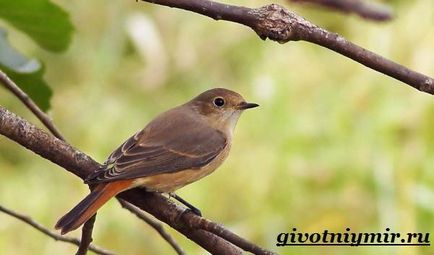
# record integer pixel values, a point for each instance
(190, 207)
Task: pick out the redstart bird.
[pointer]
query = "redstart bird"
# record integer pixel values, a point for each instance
(178, 147)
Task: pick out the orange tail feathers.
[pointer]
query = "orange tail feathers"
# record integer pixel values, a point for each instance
(90, 204)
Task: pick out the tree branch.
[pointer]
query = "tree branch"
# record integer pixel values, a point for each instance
(278, 24)
(86, 236)
(45, 119)
(27, 101)
(367, 10)
(224, 233)
(53, 234)
(154, 224)
(87, 229)
(78, 163)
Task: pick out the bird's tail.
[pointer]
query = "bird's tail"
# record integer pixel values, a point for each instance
(84, 210)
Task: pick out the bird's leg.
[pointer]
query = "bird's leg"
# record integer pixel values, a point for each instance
(189, 206)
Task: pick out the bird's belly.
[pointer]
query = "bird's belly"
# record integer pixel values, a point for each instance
(169, 182)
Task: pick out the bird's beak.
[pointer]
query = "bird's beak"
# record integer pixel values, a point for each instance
(245, 105)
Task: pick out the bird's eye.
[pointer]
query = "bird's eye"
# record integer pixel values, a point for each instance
(219, 102)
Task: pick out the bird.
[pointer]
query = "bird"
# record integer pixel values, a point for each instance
(176, 148)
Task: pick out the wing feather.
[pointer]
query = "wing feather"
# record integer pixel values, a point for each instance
(158, 149)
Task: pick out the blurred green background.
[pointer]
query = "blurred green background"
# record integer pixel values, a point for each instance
(333, 145)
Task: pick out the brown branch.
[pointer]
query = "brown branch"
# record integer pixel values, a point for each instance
(154, 224)
(78, 163)
(224, 233)
(278, 24)
(367, 10)
(187, 223)
(18, 92)
(53, 234)
(11, 86)
(87, 228)
(86, 236)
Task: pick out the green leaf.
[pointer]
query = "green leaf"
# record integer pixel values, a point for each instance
(26, 73)
(46, 23)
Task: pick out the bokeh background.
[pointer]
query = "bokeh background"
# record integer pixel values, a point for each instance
(333, 145)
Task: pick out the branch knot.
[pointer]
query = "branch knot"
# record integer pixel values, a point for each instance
(274, 22)
(428, 85)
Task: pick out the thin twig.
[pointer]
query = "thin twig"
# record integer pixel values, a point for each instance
(53, 234)
(154, 224)
(278, 24)
(363, 8)
(86, 236)
(44, 118)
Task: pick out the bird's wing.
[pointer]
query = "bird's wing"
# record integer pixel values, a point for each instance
(161, 150)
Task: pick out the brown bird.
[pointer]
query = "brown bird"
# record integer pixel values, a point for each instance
(178, 147)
